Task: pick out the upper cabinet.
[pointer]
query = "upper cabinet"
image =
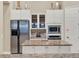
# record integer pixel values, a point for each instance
(38, 28)
(20, 14)
(54, 16)
(25, 14)
(38, 21)
(41, 21)
(34, 21)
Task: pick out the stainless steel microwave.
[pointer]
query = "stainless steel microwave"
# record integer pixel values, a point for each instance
(54, 29)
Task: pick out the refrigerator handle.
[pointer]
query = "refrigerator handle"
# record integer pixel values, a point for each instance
(18, 31)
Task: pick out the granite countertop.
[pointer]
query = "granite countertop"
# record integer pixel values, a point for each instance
(46, 43)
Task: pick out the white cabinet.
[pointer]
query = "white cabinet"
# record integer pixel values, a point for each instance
(20, 14)
(25, 14)
(64, 49)
(38, 21)
(15, 14)
(45, 49)
(54, 16)
(28, 49)
(72, 28)
(52, 49)
(33, 50)
(40, 50)
(37, 26)
(58, 49)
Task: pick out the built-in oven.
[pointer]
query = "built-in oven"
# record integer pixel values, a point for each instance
(54, 37)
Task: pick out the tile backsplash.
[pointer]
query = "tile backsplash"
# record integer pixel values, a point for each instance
(38, 34)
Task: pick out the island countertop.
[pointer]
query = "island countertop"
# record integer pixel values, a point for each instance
(46, 43)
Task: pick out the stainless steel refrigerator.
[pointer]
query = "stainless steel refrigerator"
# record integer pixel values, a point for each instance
(19, 33)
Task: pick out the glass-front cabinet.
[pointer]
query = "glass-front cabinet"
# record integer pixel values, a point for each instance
(41, 21)
(34, 21)
(38, 21)
(38, 29)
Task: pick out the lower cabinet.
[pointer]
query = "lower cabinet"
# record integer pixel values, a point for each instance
(45, 49)
(51, 49)
(28, 49)
(64, 49)
(39, 50)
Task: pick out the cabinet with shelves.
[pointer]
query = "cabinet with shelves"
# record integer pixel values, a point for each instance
(38, 21)
(38, 26)
(41, 21)
(34, 21)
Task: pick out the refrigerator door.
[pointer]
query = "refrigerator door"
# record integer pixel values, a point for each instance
(14, 27)
(14, 24)
(14, 48)
(24, 32)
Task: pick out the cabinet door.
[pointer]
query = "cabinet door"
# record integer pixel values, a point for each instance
(28, 50)
(54, 16)
(41, 21)
(51, 49)
(64, 49)
(34, 21)
(25, 14)
(15, 14)
(39, 49)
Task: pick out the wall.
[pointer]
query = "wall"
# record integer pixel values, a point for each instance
(70, 4)
(6, 26)
(20, 14)
(1, 27)
(36, 6)
(42, 6)
(72, 28)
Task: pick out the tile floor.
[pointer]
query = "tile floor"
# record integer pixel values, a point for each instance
(73, 55)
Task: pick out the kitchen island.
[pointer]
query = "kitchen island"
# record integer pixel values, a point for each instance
(45, 47)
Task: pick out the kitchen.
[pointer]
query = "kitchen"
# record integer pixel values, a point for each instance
(45, 31)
